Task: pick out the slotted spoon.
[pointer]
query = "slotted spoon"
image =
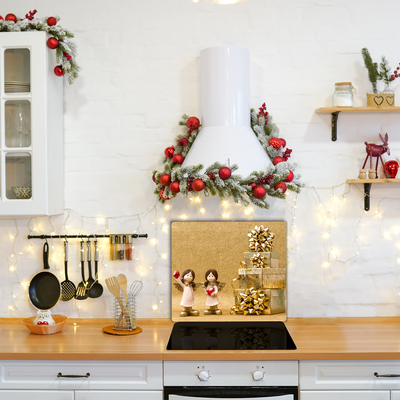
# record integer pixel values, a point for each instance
(68, 288)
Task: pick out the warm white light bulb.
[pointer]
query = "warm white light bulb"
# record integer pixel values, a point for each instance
(155, 307)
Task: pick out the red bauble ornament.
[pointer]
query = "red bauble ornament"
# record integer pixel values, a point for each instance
(164, 198)
(391, 168)
(154, 179)
(275, 143)
(193, 123)
(259, 192)
(51, 21)
(225, 173)
(52, 43)
(58, 70)
(289, 177)
(253, 185)
(198, 185)
(67, 56)
(283, 142)
(165, 179)
(177, 159)
(277, 160)
(1, 18)
(174, 187)
(11, 17)
(281, 185)
(169, 151)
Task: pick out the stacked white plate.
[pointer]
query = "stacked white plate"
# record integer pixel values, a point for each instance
(17, 87)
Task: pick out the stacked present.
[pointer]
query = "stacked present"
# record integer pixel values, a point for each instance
(262, 282)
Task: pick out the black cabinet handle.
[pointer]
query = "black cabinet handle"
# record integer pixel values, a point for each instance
(386, 376)
(60, 375)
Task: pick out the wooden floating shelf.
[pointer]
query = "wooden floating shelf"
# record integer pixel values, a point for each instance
(335, 111)
(367, 187)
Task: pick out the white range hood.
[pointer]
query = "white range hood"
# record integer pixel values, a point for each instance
(226, 135)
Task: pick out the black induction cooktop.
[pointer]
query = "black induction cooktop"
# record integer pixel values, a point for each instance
(230, 336)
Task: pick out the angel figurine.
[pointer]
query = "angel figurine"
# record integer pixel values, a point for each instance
(188, 286)
(211, 286)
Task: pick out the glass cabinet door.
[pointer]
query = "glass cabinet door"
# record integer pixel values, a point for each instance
(17, 67)
(18, 176)
(17, 123)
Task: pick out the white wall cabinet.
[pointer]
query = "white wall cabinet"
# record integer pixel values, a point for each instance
(31, 127)
(345, 380)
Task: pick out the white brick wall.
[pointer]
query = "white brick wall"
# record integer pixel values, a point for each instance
(139, 74)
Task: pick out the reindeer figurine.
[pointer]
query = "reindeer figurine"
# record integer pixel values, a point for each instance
(376, 150)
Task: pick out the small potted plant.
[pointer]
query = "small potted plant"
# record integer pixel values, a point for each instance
(377, 73)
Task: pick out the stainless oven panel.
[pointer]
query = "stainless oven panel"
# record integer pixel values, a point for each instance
(277, 397)
(230, 373)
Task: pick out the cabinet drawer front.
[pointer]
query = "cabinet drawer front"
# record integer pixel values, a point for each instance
(349, 375)
(345, 395)
(35, 395)
(117, 395)
(123, 375)
(395, 395)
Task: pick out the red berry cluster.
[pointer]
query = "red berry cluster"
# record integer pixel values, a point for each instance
(183, 142)
(211, 176)
(189, 184)
(265, 180)
(396, 73)
(263, 113)
(30, 15)
(286, 154)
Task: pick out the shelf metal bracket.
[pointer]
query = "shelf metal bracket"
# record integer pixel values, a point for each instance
(367, 190)
(335, 117)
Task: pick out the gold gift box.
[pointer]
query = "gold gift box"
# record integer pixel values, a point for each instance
(271, 258)
(275, 299)
(261, 278)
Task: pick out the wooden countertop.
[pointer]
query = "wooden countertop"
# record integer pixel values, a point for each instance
(315, 338)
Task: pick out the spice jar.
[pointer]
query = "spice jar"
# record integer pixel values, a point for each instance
(128, 247)
(343, 95)
(120, 247)
(113, 247)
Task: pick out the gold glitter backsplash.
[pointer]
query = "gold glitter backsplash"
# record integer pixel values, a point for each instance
(201, 246)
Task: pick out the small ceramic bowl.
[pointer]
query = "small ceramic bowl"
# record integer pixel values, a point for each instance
(60, 321)
(22, 192)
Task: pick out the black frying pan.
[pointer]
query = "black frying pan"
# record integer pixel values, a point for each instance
(45, 288)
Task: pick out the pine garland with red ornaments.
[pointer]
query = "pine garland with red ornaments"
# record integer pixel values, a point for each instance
(220, 178)
(60, 40)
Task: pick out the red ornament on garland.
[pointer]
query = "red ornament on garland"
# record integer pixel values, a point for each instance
(275, 143)
(283, 142)
(391, 168)
(277, 160)
(169, 151)
(1, 18)
(193, 123)
(51, 21)
(289, 177)
(198, 185)
(281, 185)
(165, 179)
(11, 17)
(154, 179)
(164, 198)
(225, 173)
(177, 159)
(58, 70)
(259, 192)
(67, 56)
(253, 185)
(211, 176)
(174, 187)
(52, 43)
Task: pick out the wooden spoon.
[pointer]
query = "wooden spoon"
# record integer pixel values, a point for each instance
(115, 289)
(123, 284)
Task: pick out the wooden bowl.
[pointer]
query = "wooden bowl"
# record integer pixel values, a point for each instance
(60, 321)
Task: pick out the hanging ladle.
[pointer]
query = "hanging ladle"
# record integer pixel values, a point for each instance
(96, 289)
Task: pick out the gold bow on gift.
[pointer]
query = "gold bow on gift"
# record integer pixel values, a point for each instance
(261, 239)
(258, 261)
(251, 302)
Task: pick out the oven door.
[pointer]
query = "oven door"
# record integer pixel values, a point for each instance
(228, 393)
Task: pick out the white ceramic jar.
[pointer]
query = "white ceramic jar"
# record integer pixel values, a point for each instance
(343, 95)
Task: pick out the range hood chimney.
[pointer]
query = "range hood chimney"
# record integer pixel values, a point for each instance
(226, 135)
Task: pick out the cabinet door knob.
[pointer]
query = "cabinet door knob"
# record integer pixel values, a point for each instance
(204, 375)
(257, 375)
(60, 375)
(386, 376)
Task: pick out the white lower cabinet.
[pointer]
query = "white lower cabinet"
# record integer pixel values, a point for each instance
(349, 380)
(35, 395)
(117, 395)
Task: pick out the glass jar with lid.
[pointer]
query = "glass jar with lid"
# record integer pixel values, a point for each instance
(343, 95)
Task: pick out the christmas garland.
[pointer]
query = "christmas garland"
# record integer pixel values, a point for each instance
(65, 48)
(218, 178)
